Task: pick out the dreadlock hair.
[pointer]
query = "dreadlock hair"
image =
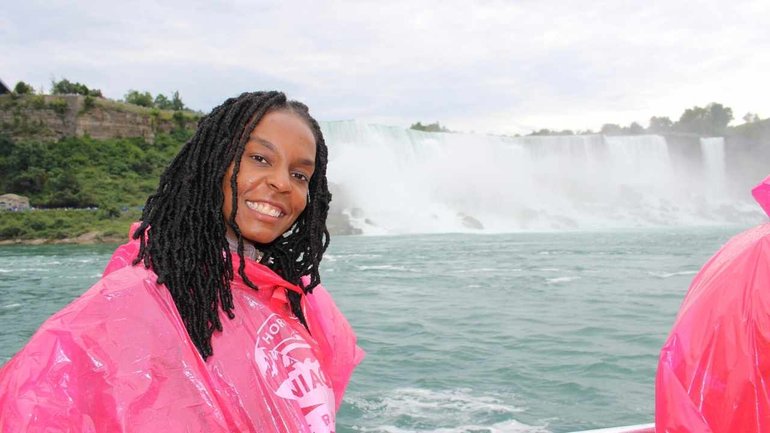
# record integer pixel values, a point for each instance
(182, 232)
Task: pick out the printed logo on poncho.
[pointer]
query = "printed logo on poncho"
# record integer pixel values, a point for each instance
(288, 365)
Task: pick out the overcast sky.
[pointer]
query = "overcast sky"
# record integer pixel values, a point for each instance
(486, 66)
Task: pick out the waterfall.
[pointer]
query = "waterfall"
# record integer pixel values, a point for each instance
(391, 180)
(713, 150)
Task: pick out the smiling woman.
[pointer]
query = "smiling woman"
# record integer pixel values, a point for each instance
(212, 317)
(275, 172)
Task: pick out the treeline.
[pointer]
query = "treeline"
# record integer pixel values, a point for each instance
(83, 172)
(430, 127)
(135, 97)
(711, 120)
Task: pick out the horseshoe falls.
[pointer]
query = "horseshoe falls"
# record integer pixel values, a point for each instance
(389, 180)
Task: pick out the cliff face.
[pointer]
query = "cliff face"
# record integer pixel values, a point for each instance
(50, 117)
(748, 152)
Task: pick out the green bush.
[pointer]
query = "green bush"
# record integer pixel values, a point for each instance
(37, 102)
(59, 106)
(66, 87)
(88, 103)
(142, 99)
(23, 88)
(61, 223)
(84, 172)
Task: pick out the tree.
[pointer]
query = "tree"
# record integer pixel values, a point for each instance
(138, 98)
(634, 129)
(66, 87)
(544, 131)
(176, 101)
(659, 125)
(31, 180)
(431, 127)
(720, 117)
(23, 88)
(162, 102)
(611, 129)
(750, 118)
(709, 120)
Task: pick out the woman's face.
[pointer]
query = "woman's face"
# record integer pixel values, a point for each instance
(277, 164)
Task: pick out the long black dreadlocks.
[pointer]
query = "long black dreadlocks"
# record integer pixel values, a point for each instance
(182, 233)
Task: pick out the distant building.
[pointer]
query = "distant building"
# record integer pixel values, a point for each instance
(13, 202)
(3, 88)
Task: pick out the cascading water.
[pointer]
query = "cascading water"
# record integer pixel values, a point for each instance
(390, 180)
(713, 150)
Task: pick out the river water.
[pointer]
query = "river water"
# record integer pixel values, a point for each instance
(524, 332)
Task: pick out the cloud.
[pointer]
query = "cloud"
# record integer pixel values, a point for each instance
(492, 66)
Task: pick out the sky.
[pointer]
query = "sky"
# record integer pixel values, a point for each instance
(500, 67)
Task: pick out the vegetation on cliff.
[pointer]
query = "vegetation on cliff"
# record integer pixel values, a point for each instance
(76, 183)
(84, 172)
(66, 224)
(102, 183)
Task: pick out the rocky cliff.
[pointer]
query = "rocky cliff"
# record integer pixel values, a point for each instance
(50, 117)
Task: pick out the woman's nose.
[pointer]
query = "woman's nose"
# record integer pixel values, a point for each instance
(279, 180)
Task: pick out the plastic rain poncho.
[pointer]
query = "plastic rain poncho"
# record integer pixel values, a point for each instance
(118, 359)
(714, 369)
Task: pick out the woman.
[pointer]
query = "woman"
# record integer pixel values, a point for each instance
(211, 319)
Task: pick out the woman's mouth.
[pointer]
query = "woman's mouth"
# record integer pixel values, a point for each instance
(264, 208)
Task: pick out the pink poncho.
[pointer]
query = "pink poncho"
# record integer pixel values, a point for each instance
(118, 359)
(714, 369)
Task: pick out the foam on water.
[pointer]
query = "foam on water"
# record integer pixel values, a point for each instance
(446, 411)
(380, 267)
(558, 280)
(672, 274)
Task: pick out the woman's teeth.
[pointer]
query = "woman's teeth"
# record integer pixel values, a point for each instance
(264, 208)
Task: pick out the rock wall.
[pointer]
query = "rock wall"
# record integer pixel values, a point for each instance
(51, 117)
(748, 153)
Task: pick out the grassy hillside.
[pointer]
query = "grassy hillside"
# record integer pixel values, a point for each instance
(107, 181)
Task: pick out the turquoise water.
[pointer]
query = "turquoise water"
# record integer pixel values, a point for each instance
(529, 332)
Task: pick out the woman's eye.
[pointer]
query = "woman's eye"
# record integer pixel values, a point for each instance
(259, 158)
(302, 177)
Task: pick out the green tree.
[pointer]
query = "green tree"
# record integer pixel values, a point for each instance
(66, 87)
(660, 125)
(69, 191)
(611, 129)
(543, 131)
(176, 101)
(431, 127)
(138, 98)
(634, 129)
(6, 145)
(23, 88)
(709, 120)
(750, 118)
(720, 117)
(163, 103)
(30, 181)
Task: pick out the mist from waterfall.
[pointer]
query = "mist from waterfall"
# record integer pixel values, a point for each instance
(389, 180)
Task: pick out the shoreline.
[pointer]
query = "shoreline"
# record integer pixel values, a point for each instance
(89, 238)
